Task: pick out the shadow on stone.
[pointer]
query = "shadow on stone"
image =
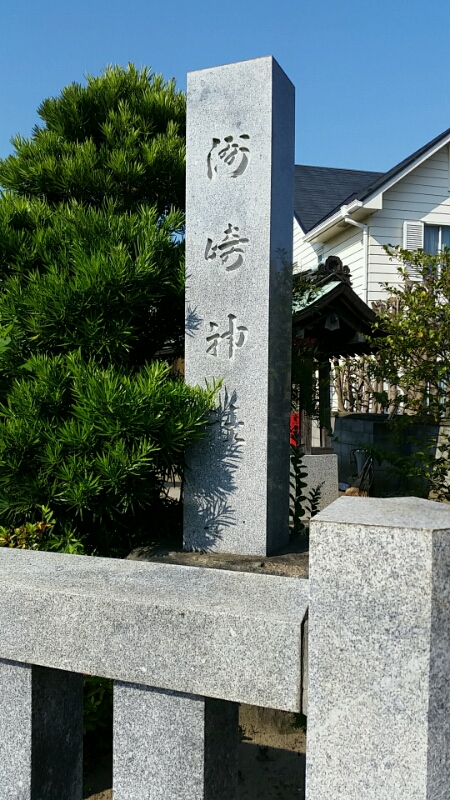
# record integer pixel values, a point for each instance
(208, 502)
(97, 761)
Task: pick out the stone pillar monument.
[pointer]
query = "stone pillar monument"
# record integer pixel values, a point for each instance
(240, 178)
(379, 651)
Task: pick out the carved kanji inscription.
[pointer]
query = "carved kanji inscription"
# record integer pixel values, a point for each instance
(232, 426)
(236, 336)
(228, 157)
(230, 251)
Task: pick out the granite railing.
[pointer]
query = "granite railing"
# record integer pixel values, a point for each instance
(185, 645)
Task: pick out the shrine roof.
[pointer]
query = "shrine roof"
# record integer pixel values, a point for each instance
(334, 300)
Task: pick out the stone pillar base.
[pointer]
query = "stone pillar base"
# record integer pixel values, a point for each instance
(379, 651)
(173, 746)
(41, 733)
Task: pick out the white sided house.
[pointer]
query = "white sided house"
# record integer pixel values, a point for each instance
(353, 214)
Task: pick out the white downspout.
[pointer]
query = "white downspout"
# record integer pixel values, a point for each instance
(365, 244)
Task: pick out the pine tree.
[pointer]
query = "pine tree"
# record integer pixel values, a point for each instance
(92, 286)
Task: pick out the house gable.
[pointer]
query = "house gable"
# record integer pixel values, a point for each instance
(417, 189)
(422, 195)
(370, 198)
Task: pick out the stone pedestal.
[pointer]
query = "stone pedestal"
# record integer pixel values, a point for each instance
(41, 733)
(379, 651)
(239, 211)
(173, 746)
(322, 474)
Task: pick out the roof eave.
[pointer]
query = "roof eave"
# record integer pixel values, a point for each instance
(371, 191)
(323, 227)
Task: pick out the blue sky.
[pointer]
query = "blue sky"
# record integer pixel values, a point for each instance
(371, 77)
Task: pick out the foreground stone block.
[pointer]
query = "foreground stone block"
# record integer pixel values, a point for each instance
(41, 733)
(240, 179)
(379, 651)
(230, 635)
(172, 746)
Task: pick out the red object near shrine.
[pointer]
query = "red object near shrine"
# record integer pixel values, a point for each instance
(295, 429)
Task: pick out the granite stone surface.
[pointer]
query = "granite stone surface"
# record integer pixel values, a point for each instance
(172, 746)
(379, 651)
(229, 635)
(15, 731)
(240, 162)
(41, 733)
(321, 471)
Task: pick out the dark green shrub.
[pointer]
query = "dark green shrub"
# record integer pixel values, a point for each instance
(97, 704)
(92, 289)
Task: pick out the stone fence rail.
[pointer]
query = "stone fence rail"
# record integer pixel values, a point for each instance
(178, 642)
(185, 645)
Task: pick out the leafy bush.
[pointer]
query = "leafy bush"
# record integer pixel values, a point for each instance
(413, 351)
(92, 290)
(412, 357)
(300, 501)
(41, 536)
(96, 444)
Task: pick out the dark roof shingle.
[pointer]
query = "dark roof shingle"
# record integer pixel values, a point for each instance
(319, 190)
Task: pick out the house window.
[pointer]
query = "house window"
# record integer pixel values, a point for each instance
(436, 237)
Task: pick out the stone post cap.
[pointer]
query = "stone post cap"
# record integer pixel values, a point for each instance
(413, 513)
(255, 63)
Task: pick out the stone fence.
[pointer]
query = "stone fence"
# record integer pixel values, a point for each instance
(185, 645)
